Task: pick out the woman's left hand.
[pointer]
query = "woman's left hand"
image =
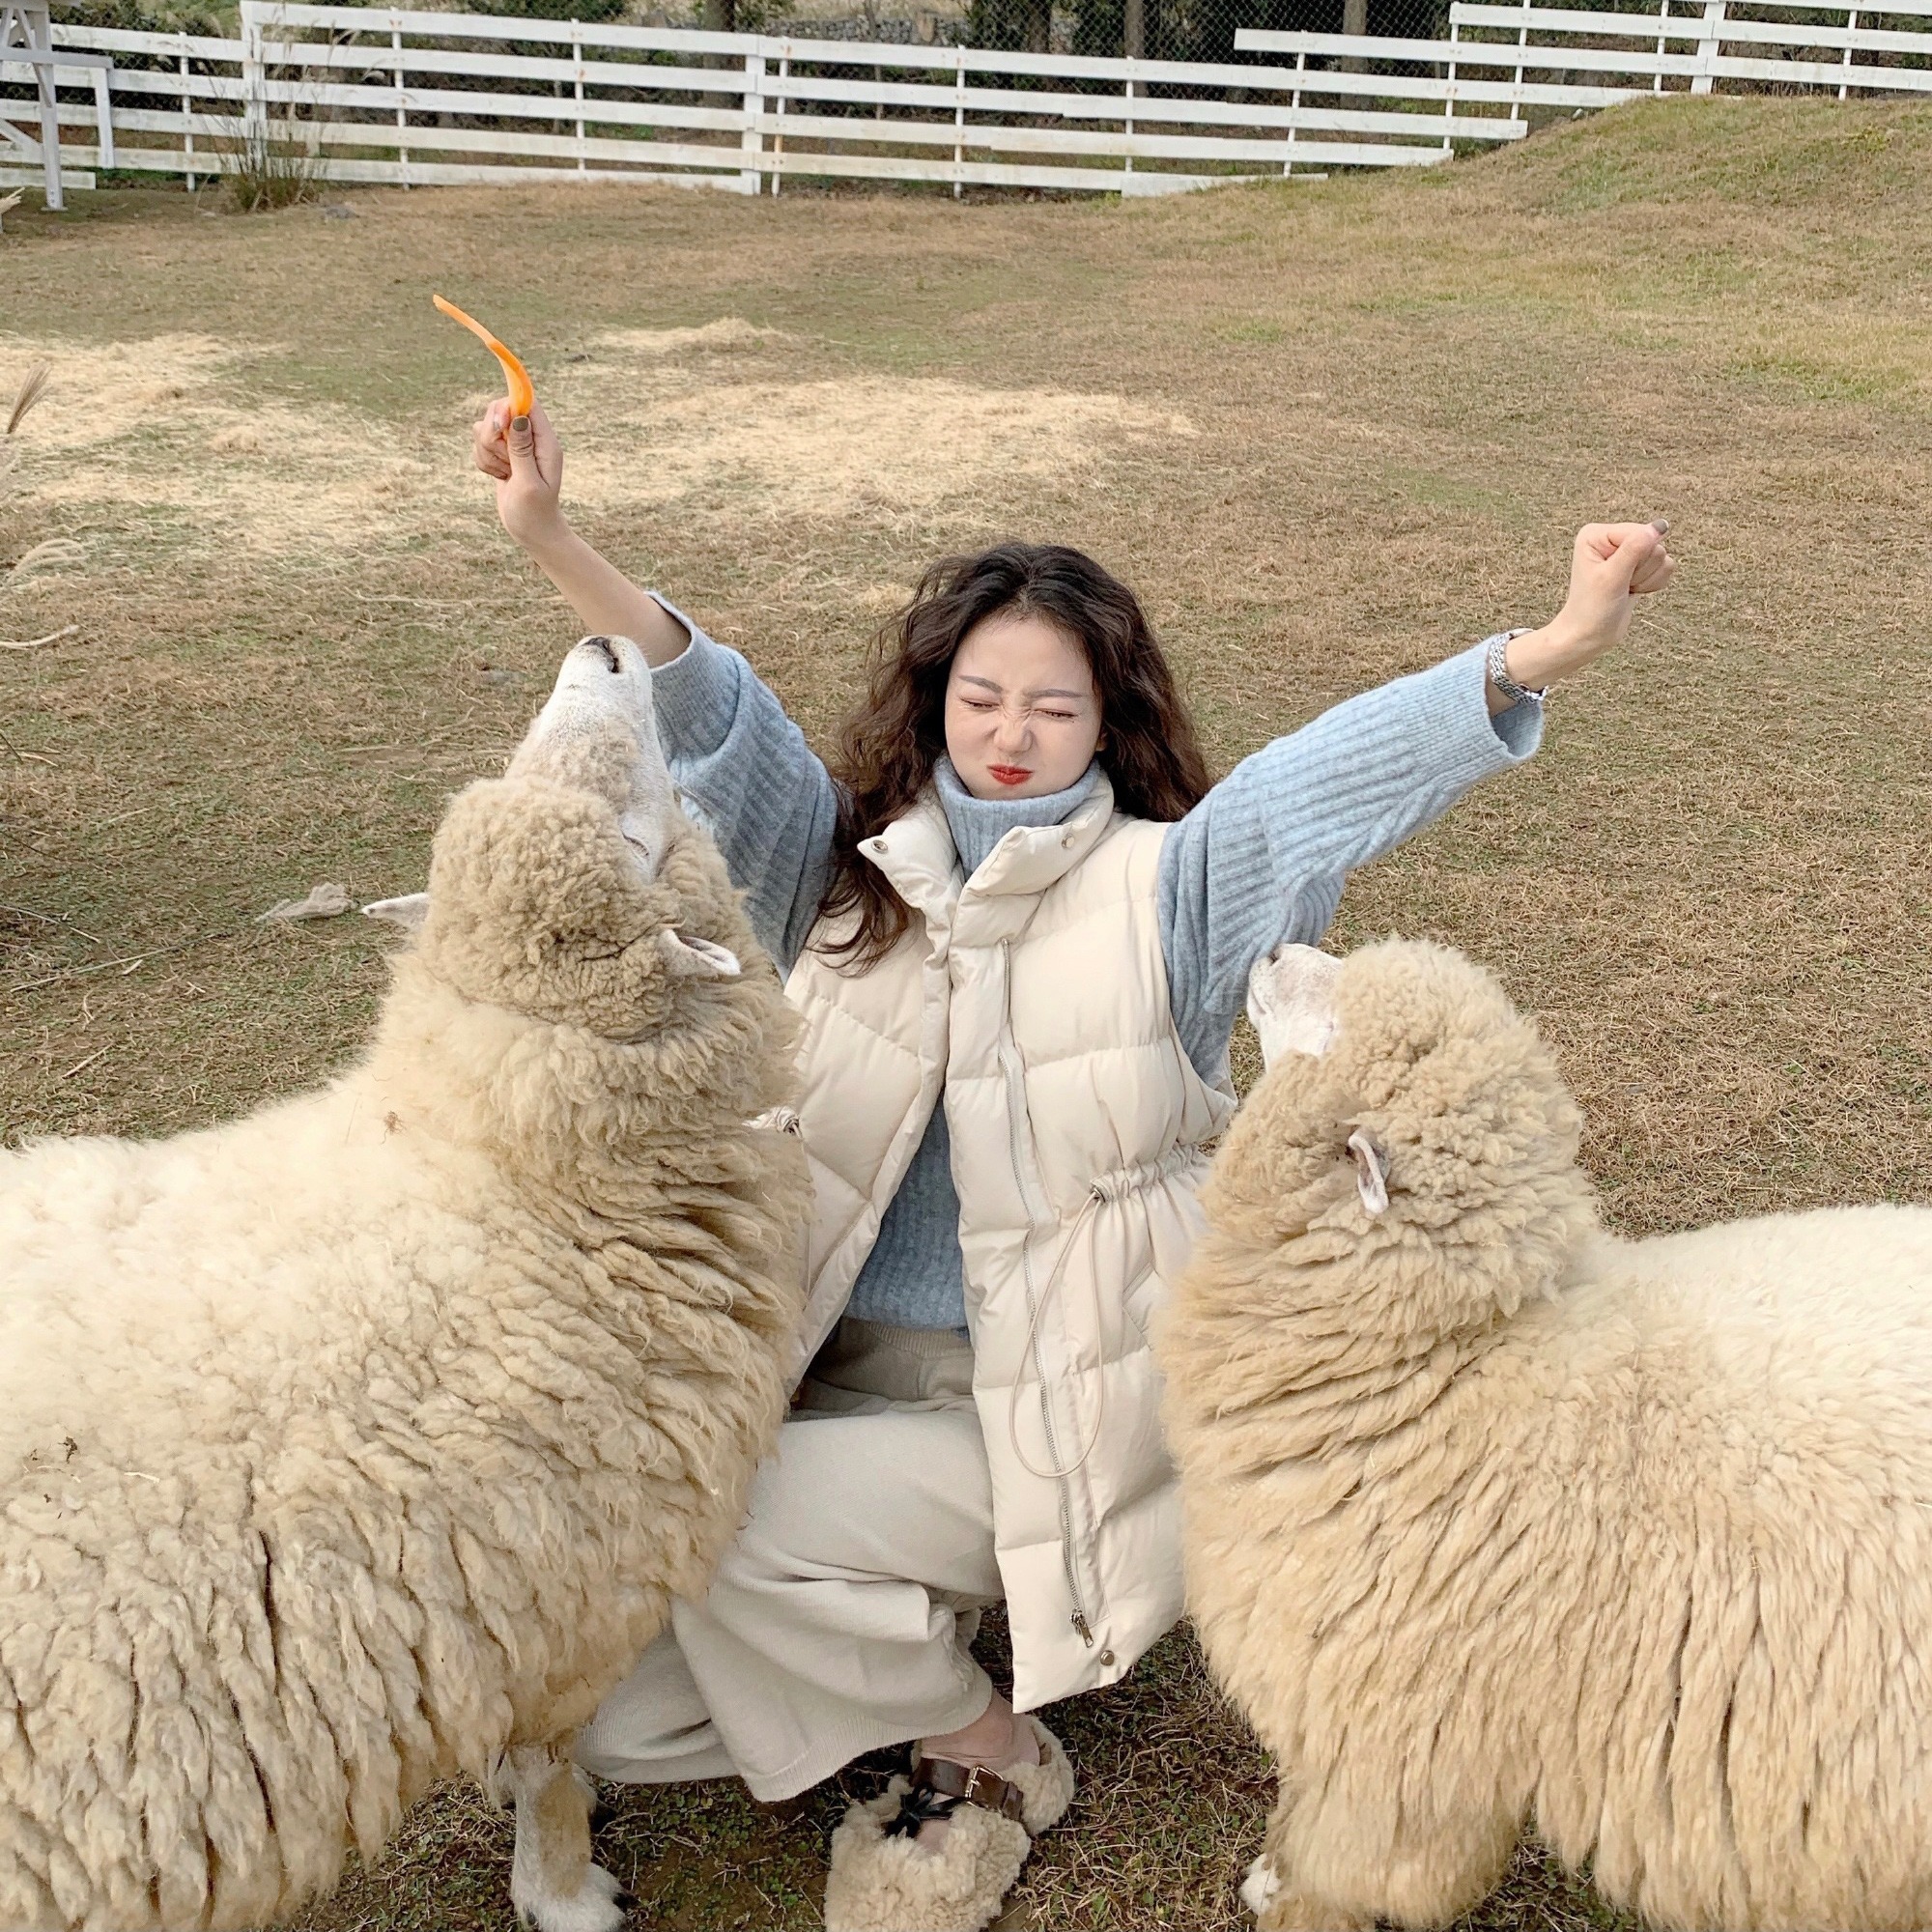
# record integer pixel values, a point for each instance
(1612, 565)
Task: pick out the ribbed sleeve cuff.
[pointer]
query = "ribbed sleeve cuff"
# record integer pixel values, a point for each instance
(1463, 742)
(695, 695)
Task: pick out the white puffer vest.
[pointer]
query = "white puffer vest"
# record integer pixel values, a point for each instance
(1033, 997)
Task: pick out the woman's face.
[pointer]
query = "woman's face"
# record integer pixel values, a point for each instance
(1022, 717)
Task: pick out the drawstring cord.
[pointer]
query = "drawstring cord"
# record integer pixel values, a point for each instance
(1112, 1186)
(1094, 1196)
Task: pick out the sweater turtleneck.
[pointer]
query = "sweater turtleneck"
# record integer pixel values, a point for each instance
(979, 824)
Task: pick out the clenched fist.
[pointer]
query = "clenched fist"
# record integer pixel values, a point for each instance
(1611, 567)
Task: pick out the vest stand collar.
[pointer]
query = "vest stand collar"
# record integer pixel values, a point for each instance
(917, 854)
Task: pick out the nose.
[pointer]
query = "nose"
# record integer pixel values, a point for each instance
(607, 650)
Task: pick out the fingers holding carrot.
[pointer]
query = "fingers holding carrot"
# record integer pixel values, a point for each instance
(522, 457)
(515, 446)
(489, 443)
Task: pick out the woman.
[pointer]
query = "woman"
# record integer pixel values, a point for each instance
(1020, 924)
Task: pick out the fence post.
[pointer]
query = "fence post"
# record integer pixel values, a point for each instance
(1850, 28)
(750, 180)
(37, 35)
(254, 75)
(1295, 115)
(1663, 45)
(576, 61)
(187, 116)
(1707, 47)
(959, 125)
(1449, 85)
(1127, 159)
(784, 97)
(103, 113)
(402, 101)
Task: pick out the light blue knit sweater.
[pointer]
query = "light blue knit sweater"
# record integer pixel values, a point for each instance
(1261, 859)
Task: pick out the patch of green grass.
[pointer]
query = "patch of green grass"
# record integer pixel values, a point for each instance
(1820, 382)
(1251, 329)
(1447, 492)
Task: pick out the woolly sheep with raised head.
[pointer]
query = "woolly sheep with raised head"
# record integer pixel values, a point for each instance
(365, 1440)
(1495, 1519)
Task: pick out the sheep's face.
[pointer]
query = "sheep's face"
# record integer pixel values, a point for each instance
(571, 889)
(1413, 1126)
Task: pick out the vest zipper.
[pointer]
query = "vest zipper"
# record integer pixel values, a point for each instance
(1016, 1112)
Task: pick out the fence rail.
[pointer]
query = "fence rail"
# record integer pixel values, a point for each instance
(1582, 58)
(419, 98)
(407, 96)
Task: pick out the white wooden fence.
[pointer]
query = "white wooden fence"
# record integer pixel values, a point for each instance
(418, 98)
(1499, 60)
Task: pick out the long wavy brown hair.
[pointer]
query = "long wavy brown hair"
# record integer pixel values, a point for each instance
(888, 745)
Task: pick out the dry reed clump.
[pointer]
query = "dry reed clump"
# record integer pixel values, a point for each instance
(170, 431)
(266, 170)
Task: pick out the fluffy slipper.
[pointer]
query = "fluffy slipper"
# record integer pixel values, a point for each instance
(885, 1881)
(1046, 1786)
(880, 1882)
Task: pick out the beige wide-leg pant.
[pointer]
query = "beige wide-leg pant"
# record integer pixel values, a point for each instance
(840, 1620)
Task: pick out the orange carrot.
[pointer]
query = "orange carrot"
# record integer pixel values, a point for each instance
(522, 394)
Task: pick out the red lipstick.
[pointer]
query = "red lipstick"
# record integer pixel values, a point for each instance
(1010, 775)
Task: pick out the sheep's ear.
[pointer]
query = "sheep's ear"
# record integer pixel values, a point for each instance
(408, 911)
(699, 957)
(1371, 1172)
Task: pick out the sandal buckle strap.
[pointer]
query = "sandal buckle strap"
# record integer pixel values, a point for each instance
(972, 1784)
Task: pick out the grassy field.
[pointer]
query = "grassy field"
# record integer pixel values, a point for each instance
(1332, 431)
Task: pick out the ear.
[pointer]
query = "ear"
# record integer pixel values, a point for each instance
(408, 911)
(1371, 1172)
(699, 957)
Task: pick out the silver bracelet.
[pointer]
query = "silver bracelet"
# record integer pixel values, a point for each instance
(1497, 663)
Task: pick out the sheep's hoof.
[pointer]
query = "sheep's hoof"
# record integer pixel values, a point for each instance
(1276, 1909)
(1260, 1886)
(599, 1906)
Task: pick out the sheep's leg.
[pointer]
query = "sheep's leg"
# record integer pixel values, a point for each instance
(553, 1883)
(1389, 1866)
(1280, 1904)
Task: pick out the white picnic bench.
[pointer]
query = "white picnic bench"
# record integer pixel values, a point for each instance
(26, 37)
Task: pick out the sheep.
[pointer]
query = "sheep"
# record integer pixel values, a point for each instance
(366, 1440)
(1495, 1519)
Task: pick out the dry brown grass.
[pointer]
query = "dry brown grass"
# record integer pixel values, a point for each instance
(1330, 432)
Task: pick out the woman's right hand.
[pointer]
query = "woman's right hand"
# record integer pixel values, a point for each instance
(526, 461)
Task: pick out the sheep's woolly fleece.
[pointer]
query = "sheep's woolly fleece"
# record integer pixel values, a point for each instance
(185, 435)
(344, 1446)
(1494, 1518)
